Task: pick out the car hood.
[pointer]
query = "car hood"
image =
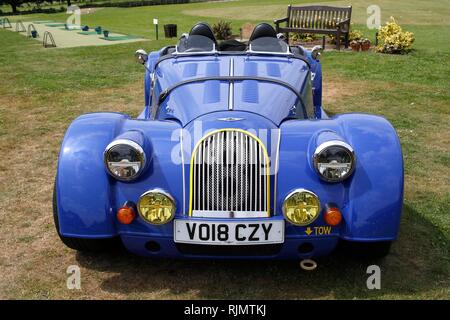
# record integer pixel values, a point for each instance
(270, 100)
(258, 126)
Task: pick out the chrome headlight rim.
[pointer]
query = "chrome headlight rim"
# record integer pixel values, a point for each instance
(334, 143)
(301, 190)
(160, 191)
(130, 143)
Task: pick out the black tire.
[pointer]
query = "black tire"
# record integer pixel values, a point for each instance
(366, 250)
(82, 244)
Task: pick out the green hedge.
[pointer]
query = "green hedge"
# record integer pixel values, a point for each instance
(34, 10)
(124, 4)
(129, 4)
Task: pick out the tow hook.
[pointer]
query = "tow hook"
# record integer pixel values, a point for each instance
(308, 265)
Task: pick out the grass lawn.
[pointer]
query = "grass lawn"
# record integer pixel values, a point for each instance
(43, 90)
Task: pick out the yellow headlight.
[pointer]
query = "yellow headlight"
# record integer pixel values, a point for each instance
(156, 207)
(301, 207)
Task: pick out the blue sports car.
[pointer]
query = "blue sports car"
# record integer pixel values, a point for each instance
(232, 157)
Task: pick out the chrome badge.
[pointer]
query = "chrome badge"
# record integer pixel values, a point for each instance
(230, 119)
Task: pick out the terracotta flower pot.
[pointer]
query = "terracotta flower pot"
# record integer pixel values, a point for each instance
(365, 45)
(355, 46)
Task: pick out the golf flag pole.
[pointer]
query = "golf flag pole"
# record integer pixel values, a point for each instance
(155, 22)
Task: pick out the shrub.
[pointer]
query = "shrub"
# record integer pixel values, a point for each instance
(354, 35)
(392, 39)
(222, 30)
(303, 37)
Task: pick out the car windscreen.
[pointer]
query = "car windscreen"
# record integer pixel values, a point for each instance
(195, 43)
(269, 44)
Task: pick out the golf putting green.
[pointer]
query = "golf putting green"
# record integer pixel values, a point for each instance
(87, 33)
(55, 24)
(66, 38)
(71, 29)
(43, 21)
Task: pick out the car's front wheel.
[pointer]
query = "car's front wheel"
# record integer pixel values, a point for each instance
(373, 250)
(83, 244)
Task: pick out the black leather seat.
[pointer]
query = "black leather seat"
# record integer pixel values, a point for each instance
(263, 30)
(232, 45)
(203, 29)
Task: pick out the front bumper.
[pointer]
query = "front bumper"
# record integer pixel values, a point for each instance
(299, 243)
(154, 246)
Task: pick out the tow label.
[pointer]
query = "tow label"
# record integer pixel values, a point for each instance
(318, 231)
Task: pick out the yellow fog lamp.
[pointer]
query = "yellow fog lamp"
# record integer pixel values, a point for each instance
(301, 207)
(156, 207)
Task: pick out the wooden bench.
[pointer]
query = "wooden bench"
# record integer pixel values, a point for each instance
(317, 20)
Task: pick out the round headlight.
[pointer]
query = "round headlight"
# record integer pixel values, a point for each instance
(124, 159)
(334, 161)
(301, 207)
(156, 207)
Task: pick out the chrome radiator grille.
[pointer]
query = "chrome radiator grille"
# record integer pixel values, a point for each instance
(230, 176)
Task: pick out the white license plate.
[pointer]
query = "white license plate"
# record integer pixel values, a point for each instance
(229, 233)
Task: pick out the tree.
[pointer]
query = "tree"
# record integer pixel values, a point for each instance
(14, 3)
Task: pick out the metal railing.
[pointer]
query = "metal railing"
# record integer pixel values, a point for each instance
(20, 27)
(45, 41)
(5, 23)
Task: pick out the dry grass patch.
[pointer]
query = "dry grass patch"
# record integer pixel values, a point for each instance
(335, 90)
(32, 258)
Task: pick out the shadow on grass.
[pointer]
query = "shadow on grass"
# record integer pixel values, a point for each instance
(416, 264)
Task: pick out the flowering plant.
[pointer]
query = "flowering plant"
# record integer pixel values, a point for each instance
(392, 39)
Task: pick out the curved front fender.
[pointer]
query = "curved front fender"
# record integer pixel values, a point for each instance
(371, 199)
(88, 197)
(376, 193)
(82, 185)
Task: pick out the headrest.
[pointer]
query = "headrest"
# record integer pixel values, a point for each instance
(263, 30)
(203, 29)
